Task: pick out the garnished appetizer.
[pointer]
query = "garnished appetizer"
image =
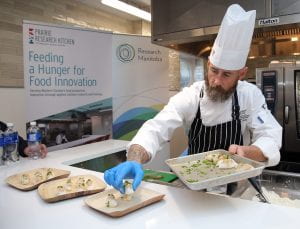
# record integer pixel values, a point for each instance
(69, 185)
(111, 201)
(227, 164)
(88, 183)
(25, 179)
(49, 174)
(60, 190)
(128, 191)
(38, 176)
(81, 184)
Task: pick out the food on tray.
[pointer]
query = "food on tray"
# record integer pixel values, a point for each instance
(60, 190)
(81, 184)
(69, 185)
(74, 185)
(49, 174)
(35, 177)
(215, 157)
(226, 163)
(244, 167)
(25, 179)
(105, 202)
(128, 191)
(38, 176)
(89, 182)
(111, 201)
(211, 166)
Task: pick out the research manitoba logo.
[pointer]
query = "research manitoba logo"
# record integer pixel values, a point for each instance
(125, 53)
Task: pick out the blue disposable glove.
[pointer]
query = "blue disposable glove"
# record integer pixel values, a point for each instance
(125, 170)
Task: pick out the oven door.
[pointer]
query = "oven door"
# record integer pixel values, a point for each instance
(271, 82)
(292, 111)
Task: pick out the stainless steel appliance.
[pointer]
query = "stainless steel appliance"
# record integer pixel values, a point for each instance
(280, 84)
(193, 24)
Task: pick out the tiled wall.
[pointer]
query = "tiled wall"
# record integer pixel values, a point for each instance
(64, 12)
(174, 71)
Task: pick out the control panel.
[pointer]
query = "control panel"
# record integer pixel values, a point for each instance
(269, 88)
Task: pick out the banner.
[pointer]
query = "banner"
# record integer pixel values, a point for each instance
(68, 81)
(140, 83)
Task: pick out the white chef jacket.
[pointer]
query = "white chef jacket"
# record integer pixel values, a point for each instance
(259, 127)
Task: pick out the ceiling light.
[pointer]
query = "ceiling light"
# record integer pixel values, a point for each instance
(122, 6)
(294, 39)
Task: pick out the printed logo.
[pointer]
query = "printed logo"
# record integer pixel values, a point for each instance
(243, 115)
(31, 35)
(125, 53)
(268, 21)
(45, 37)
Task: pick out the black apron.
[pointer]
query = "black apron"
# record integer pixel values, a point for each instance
(206, 138)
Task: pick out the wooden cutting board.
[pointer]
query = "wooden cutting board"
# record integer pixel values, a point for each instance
(31, 179)
(141, 198)
(71, 187)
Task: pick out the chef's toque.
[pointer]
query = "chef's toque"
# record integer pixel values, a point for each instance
(231, 47)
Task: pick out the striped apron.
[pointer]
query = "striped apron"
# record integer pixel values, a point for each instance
(205, 138)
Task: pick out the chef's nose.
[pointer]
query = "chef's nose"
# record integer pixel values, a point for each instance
(217, 79)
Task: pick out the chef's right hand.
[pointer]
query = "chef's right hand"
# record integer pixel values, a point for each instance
(126, 170)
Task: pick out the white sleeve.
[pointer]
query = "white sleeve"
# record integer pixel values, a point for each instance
(156, 131)
(266, 131)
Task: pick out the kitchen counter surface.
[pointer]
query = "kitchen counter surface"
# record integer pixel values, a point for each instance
(180, 208)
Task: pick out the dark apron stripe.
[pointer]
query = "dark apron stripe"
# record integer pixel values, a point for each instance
(205, 138)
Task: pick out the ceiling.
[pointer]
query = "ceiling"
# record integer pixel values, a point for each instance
(142, 4)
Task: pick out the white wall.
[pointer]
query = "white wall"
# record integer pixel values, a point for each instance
(12, 108)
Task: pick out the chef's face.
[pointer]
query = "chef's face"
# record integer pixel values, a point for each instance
(220, 83)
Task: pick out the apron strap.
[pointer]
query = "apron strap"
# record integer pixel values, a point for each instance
(235, 107)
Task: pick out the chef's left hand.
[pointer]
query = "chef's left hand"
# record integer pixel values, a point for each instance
(251, 152)
(237, 149)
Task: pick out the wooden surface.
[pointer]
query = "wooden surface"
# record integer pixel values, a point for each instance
(50, 193)
(15, 180)
(141, 198)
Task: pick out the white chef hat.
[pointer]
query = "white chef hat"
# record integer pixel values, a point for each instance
(233, 41)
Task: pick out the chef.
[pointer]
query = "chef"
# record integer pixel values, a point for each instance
(221, 112)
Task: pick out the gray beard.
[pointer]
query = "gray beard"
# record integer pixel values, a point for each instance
(218, 94)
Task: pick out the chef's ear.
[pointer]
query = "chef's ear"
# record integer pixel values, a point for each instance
(243, 72)
(208, 64)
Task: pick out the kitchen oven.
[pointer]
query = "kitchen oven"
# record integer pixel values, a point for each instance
(280, 84)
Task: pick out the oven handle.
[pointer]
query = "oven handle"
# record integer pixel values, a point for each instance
(286, 114)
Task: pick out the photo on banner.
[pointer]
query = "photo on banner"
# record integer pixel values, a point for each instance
(68, 83)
